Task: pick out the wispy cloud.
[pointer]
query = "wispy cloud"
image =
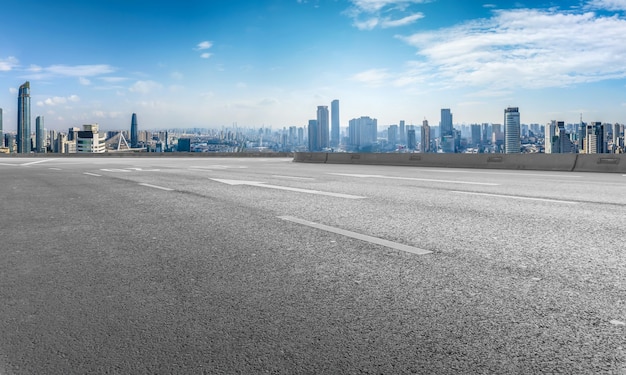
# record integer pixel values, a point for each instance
(145, 87)
(58, 100)
(520, 48)
(206, 55)
(84, 81)
(373, 77)
(76, 71)
(612, 5)
(203, 45)
(369, 14)
(8, 64)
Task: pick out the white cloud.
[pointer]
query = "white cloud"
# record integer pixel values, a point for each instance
(13, 90)
(369, 14)
(613, 5)
(373, 77)
(57, 100)
(84, 81)
(8, 64)
(521, 48)
(145, 87)
(113, 79)
(79, 70)
(204, 45)
(206, 55)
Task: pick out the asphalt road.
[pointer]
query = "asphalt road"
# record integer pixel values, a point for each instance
(241, 266)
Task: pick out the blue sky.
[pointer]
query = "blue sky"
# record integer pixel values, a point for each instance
(191, 63)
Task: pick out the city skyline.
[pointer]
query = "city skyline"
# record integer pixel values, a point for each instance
(214, 64)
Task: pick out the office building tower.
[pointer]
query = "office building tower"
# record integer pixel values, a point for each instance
(425, 136)
(392, 135)
(362, 131)
(616, 137)
(549, 137)
(411, 141)
(512, 140)
(445, 126)
(89, 140)
(334, 123)
(134, 136)
(322, 126)
(184, 145)
(313, 136)
(23, 119)
(1, 134)
(40, 136)
(476, 132)
(402, 133)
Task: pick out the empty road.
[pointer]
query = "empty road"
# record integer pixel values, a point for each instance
(263, 265)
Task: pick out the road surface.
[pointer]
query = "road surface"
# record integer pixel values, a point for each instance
(240, 266)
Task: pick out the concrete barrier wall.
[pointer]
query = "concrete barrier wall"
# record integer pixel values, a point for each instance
(159, 155)
(545, 162)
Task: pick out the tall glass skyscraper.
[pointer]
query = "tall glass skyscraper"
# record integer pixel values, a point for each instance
(445, 126)
(40, 136)
(134, 132)
(1, 134)
(322, 126)
(23, 119)
(512, 141)
(334, 123)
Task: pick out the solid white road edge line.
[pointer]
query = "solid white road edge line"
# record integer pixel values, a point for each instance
(294, 177)
(92, 174)
(156, 187)
(358, 236)
(516, 197)
(307, 191)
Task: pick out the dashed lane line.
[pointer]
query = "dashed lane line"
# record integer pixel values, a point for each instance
(358, 236)
(156, 187)
(414, 179)
(92, 174)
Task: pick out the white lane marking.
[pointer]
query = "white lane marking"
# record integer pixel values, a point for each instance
(144, 170)
(10, 165)
(358, 236)
(199, 170)
(516, 197)
(294, 177)
(414, 179)
(55, 169)
(115, 170)
(157, 187)
(503, 173)
(219, 167)
(92, 174)
(36, 162)
(264, 185)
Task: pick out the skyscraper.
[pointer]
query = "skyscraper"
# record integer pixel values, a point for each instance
(313, 136)
(445, 126)
(425, 136)
(402, 132)
(134, 138)
(1, 135)
(322, 126)
(334, 123)
(512, 141)
(40, 136)
(23, 119)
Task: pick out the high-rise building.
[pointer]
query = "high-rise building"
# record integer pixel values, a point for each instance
(402, 132)
(362, 131)
(334, 123)
(445, 126)
(1, 134)
(549, 137)
(476, 135)
(40, 135)
(313, 137)
(392, 135)
(512, 140)
(322, 126)
(425, 136)
(23, 119)
(411, 141)
(89, 140)
(134, 136)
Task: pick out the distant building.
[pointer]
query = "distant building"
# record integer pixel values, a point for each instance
(184, 145)
(362, 132)
(313, 135)
(512, 140)
(322, 126)
(392, 135)
(1, 134)
(40, 135)
(23, 119)
(134, 131)
(402, 133)
(411, 139)
(425, 137)
(334, 123)
(476, 135)
(89, 141)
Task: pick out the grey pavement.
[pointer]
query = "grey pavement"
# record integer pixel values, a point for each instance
(188, 266)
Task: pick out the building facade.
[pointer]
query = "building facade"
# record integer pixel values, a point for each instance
(334, 124)
(512, 140)
(89, 140)
(23, 119)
